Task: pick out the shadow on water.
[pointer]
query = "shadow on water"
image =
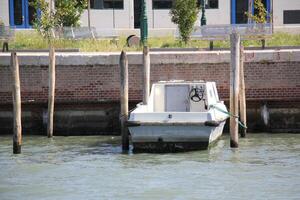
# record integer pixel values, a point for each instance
(40, 149)
(56, 150)
(108, 145)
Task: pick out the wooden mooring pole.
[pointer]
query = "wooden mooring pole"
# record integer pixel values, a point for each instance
(51, 95)
(16, 94)
(124, 100)
(146, 74)
(234, 88)
(242, 95)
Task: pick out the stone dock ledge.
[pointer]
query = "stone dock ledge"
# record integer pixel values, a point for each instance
(135, 58)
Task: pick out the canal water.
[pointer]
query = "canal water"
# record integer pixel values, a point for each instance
(266, 166)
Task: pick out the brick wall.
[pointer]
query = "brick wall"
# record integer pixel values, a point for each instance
(87, 88)
(97, 83)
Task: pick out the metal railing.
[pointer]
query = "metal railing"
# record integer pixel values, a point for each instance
(6, 33)
(84, 33)
(220, 32)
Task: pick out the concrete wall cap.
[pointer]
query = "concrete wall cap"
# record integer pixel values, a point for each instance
(135, 58)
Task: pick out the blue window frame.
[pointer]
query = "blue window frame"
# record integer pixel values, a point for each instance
(233, 11)
(21, 14)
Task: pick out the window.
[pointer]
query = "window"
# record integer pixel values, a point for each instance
(162, 4)
(291, 16)
(210, 4)
(107, 4)
(213, 4)
(167, 4)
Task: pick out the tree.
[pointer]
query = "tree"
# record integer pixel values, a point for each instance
(46, 21)
(184, 13)
(68, 12)
(261, 16)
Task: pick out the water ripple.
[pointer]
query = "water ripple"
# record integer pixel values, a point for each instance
(264, 167)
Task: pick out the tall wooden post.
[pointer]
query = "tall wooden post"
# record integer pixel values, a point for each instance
(146, 74)
(234, 88)
(250, 10)
(124, 100)
(16, 94)
(51, 12)
(51, 6)
(242, 95)
(51, 94)
(89, 14)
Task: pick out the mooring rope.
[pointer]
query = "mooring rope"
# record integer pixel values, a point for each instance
(230, 115)
(121, 116)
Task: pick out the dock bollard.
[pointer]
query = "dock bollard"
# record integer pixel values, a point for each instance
(124, 100)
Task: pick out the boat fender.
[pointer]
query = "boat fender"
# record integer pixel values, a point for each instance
(212, 123)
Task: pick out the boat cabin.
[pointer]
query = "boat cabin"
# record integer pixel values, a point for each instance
(180, 96)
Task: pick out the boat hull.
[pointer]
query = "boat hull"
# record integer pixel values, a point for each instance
(165, 138)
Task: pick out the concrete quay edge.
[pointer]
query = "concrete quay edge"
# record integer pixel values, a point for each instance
(135, 58)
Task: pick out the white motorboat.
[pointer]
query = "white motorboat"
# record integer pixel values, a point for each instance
(179, 116)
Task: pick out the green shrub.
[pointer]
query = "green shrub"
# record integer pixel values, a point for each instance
(46, 21)
(184, 13)
(68, 12)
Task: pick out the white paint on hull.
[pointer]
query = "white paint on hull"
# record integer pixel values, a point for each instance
(176, 133)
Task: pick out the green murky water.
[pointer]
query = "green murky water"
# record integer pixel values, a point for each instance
(264, 167)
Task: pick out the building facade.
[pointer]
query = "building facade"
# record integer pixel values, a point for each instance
(125, 14)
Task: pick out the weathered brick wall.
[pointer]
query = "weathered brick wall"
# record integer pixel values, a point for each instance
(98, 83)
(87, 87)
